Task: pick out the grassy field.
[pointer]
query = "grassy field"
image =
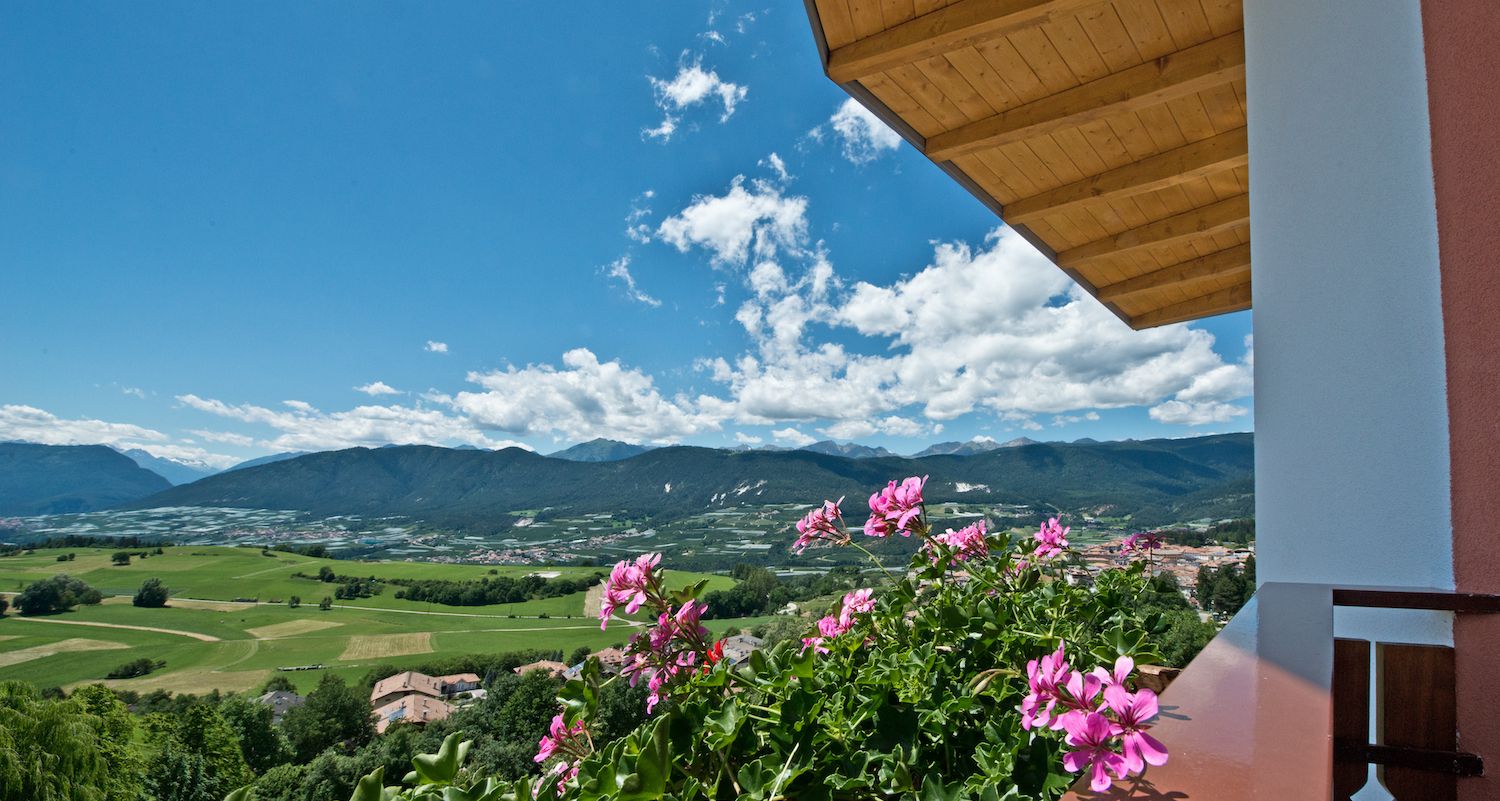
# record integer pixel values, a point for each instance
(209, 642)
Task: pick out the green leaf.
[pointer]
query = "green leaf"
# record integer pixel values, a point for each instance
(246, 793)
(442, 767)
(690, 592)
(371, 787)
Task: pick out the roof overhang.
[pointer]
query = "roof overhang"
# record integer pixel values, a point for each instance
(1110, 134)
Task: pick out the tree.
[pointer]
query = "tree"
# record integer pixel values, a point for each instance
(294, 601)
(198, 756)
(263, 745)
(49, 750)
(4, 605)
(152, 594)
(334, 713)
(136, 668)
(121, 558)
(116, 729)
(579, 654)
(325, 604)
(56, 594)
(325, 573)
(278, 682)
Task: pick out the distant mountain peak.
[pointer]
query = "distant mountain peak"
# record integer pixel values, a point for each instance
(851, 450)
(600, 450)
(177, 471)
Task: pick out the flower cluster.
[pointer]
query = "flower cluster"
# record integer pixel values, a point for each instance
(631, 585)
(1096, 723)
(897, 508)
(1051, 539)
(570, 743)
(824, 523)
(855, 603)
(1143, 542)
(967, 543)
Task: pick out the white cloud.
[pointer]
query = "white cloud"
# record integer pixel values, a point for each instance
(742, 221)
(134, 392)
(692, 86)
(746, 439)
(777, 165)
(306, 428)
(436, 347)
(30, 424)
(377, 388)
(620, 269)
(1195, 413)
(587, 398)
(793, 437)
(1069, 419)
(862, 135)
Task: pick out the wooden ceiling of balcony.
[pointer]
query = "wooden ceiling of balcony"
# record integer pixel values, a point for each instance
(1110, 134)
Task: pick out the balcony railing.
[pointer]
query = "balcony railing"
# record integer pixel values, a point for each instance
(1277, 708)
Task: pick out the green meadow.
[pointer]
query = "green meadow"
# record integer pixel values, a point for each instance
(208, 641)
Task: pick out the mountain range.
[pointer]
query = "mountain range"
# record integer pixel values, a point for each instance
(58, 479)
(1171, 479)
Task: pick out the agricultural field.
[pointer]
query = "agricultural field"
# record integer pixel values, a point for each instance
(211, 641)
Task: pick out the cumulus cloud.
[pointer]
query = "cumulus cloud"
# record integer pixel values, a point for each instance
(619, 269)
(377, 388)
(1196, 413)
(775, 163)
(30, 424)
(995, 329)
(436, 347)
(692, 86)
(862, 136)
(586, 398)
(303, 427)
(793, 437)
(746, 439)
(755, 219)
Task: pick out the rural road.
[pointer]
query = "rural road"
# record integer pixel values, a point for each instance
(195, 635)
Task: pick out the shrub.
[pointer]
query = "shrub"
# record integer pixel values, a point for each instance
(120, 557)
(966, 676)
(152, 594)
(56, 594)
(136, 668)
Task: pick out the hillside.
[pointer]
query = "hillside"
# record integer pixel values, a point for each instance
(51, 479)
(486, 490)
(853, 450)
(600, 450)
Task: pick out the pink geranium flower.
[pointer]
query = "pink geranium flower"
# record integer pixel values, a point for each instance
(895, 508)
(1123, 667)
(629, 585)
(1091, 735)
(824, 523)
(1045, 678)
(1134, 712)
(967, 543)
(1051, 539)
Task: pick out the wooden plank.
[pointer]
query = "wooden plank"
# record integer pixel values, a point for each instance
(838, 26)
(1418, 709)
(1351, 711)
(1183, 73)
(959, 25)
(1221, 301)
(1196, 160)
(1190, 224)
(1234, 261)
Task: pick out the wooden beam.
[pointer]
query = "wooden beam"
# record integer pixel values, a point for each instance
(1222, 301)
(1202, 221)
(1186, 72)
(1204, 157)
(958, 25)
(1230, 261)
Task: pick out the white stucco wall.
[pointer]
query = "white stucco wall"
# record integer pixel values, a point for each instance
(1351, 428)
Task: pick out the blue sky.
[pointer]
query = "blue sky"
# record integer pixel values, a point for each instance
(228, 230)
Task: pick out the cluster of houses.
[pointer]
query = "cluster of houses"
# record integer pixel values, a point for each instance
(413, 697)
(418, 698)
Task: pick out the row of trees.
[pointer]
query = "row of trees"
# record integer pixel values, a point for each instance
(491, 589)
(1224, 591)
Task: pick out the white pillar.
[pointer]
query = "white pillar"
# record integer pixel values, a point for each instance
(1351, 425)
